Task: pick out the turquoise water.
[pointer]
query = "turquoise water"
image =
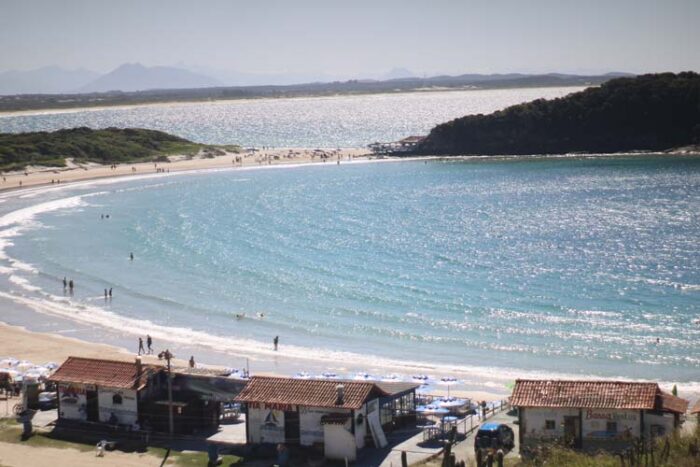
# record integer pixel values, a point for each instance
(564, 266)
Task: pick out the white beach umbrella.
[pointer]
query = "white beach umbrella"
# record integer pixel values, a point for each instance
(392, 378)
(423, 380)
(362, 376)
(8, 362)
(24, 366)
(448, 381)
(328, 375)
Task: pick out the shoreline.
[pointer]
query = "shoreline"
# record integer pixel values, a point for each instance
(264, 360)
(117, 106)
(34, 177)
(37, 177)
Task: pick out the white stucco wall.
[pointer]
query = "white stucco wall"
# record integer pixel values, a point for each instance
(361, 430)
(310, 423)
(72, 402)
(126, 412)
(265, 425)
(534, 420)
(595, 424)
(659, 425)
(339, 443)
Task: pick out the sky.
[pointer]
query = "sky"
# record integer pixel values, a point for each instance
(354, 38)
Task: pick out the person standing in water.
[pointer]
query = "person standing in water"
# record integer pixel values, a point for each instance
(70, 285)
(105, 294)
(110, 292)
(192, 364)
(131, 256)
(141, 349)
(65, 283)
(276, 341)
(149, 342)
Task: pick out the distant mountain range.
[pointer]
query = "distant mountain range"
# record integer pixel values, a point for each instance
(132, 77)
(136, 77)
(165, 84)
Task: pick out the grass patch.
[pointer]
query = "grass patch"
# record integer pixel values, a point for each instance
(192, 459)
(12, 433)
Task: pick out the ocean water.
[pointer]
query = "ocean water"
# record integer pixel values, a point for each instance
(326, 122)
(558, 266)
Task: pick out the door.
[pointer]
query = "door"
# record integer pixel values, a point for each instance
(92, 407)
(572, 435)
(292, 427)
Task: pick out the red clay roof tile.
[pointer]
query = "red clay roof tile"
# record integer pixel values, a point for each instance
(307, 392)
(105, 373)
(585, 394)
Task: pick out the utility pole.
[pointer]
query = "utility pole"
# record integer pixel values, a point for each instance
(168, 356)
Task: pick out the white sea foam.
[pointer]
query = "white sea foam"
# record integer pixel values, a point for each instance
(23, 283)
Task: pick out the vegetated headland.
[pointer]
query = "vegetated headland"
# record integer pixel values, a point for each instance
(22, 102)
(645, 113)
(105, 146)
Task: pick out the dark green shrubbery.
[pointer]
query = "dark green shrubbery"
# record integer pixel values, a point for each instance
(107, 146)
(649, 112)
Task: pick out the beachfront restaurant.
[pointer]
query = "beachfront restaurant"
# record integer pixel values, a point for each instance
(337, 416)
(102, 391)
(592, 415)
(198, 396)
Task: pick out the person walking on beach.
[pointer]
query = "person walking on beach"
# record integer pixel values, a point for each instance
(149, 342)
(276, 341)
(141, 349)
(192, 361)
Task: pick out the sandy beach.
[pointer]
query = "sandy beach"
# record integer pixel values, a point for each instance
(74, 172)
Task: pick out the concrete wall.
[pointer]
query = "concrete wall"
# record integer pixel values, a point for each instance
(534, 421)
(265, 425)
(361, 430)
(126, 412)
(339, 443)
(658, 424)
(72, 402)
(595, 423)
(310, 424)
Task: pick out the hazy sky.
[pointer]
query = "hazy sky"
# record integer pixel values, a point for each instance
(354, 37)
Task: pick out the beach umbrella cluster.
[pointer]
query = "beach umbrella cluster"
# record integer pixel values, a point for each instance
(23, 370)
(425, 381)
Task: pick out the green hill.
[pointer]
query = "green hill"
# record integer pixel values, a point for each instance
(107, 146)
(649, 112)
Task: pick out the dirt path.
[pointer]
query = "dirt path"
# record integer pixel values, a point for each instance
(16, 455)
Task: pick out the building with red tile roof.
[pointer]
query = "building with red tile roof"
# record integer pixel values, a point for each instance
(594, 414)
(107, 391)
(338, 414)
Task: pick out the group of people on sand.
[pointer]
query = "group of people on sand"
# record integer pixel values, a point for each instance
(149, 344)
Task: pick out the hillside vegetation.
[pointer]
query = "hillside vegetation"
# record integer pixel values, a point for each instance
(649, 112)
(107, 146)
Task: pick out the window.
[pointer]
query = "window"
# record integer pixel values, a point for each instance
(549, 425)
(611, 427)
(116, 399)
